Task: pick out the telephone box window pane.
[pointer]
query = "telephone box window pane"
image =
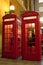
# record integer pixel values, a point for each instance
(42, 30)
(30, 34)
(8, 35)
(8, 31)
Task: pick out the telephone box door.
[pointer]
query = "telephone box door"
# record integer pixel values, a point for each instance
(8, 40)
(31, 42)
(9, 37)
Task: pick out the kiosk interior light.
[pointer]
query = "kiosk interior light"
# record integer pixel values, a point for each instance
(33, 24)
(30, 25)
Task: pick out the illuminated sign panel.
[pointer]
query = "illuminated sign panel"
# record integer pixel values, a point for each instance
(11, 19)
(32, 17)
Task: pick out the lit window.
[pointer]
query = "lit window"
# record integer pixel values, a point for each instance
(41, 31)
(40, 1)
(41, 19)
(40, 9)
(41, 27)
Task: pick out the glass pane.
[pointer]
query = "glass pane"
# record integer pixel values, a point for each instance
(30, 34)
(8, 36)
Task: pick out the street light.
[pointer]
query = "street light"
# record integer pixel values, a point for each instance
(12, 8)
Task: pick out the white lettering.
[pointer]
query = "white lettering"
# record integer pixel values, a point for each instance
(32, 17)
(11, 19)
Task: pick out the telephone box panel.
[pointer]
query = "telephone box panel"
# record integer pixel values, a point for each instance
(31, 41)
(41, 32)
(10, 36)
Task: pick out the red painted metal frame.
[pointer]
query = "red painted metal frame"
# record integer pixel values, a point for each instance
(25, 47)
(13, 52)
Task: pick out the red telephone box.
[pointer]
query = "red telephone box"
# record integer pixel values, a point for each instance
(31, 42)
(10, 36)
